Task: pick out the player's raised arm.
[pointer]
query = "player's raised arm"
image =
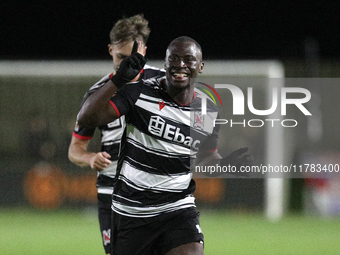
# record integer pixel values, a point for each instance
(96, 110)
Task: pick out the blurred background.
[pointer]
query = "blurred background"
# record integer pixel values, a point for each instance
(38, 110)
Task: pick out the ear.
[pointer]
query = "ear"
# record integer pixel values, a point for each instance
(141, 47)
(109, 46)
(201, 67)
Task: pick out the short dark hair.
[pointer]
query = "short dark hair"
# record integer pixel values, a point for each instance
(130, 29)
(186, 39)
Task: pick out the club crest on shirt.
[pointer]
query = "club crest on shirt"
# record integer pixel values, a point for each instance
(106, 236)
(198, 120)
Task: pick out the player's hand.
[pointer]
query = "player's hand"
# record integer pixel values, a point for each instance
(238, 158)
(129, 68)
(100, 161)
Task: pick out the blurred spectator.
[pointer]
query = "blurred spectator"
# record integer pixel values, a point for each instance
(38, 140)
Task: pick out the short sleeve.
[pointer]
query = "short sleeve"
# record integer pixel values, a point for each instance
(83, 133)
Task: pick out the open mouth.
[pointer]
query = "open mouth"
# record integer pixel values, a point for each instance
(180, 76)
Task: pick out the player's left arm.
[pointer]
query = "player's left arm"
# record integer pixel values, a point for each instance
(207, 158)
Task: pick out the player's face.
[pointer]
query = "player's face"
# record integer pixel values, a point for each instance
(183, 63)
(123, 50)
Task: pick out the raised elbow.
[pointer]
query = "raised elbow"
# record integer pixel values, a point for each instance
(87, 119)
(86, 122)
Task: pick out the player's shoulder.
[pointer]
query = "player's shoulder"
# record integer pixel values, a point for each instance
(201, 95)
(154, 82)
(149, 67)
(151, 71)
(100, 83)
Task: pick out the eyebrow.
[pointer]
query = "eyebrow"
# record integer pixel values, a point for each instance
(187, 55)
(120, 55)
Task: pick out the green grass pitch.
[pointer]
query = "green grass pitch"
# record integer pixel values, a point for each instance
(25, 231)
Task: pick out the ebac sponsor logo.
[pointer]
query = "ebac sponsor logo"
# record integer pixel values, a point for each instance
(158, 126)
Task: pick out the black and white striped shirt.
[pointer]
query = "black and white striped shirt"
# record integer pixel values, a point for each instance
(111, 133)
(160, 142)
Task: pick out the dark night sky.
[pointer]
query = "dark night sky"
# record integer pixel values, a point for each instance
(226, 29)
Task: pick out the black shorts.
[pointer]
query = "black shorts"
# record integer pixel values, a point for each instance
(104, 216)
(156, 235)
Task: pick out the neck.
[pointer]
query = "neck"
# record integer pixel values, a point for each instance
(180, 95)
